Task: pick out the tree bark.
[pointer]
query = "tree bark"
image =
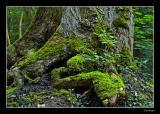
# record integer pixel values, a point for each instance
(44, 25)
(28, 13)
(69, 23)
(58, 34)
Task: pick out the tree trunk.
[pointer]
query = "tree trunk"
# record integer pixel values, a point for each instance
(72, 33)
(28, 13)
(44, 25)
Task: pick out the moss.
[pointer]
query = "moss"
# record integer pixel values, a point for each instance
(127, 59)
(12, 90)
(50, 48)
(32, 80)
(143, 100)
(143, 96)
(11, 102)
(123, 12)
(121, 23)
(56, 73)
(34, 98)
(80, 45)
(150, 86)
(76, 62)
(104, 85)
(55, 46)
(66, 95)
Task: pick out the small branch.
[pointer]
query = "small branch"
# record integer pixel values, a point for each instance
(20, 25)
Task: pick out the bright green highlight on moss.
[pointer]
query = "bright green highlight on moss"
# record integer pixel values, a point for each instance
(11, 90)
(105, 86)
(76, 62)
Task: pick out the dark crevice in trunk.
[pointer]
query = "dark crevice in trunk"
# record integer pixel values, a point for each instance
(60, 63)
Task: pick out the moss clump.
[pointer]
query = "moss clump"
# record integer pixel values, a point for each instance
(56, 73)
(124, 12)
(51, 48)
(150, 86)
(76, 63)
(104, 85)
(56, 46)
(121, 23)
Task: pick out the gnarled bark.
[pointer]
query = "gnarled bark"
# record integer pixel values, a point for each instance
(72, 31)
(44, 25)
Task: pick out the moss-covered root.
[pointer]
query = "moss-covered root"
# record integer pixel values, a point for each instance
(56, 50)
(104, 85)
(80, 63)
(76, 62)
(57, 72)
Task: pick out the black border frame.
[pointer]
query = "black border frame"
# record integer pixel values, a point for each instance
(77, 3)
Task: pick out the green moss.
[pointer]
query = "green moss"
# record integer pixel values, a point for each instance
(66, 95)
(55, 47)
(143, 96)
(143, 100)
(11, 90)
(76, 62)
(80, 45)
(121, 22)
(127, 59)
(34, 98)
(150, 86)
(31, 80)
(56, 73)
(123, 12)
(104, 85)
(51, 48)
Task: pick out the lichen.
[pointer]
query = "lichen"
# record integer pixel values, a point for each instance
(120, 23)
